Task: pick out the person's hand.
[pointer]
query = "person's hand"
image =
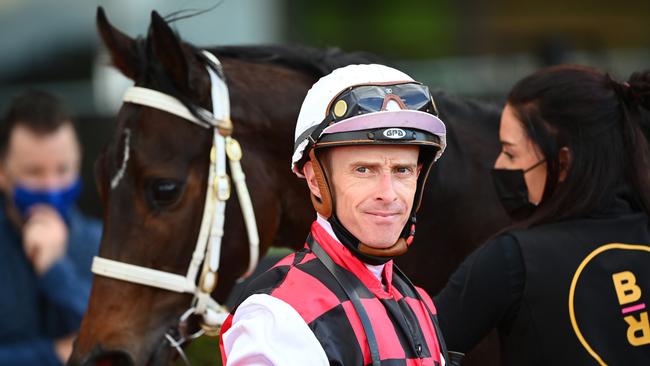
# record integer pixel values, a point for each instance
(63, 347)
(45, 237)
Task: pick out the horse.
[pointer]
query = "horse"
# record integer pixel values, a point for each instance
(152, 216)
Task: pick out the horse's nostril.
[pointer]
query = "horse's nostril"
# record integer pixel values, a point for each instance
(110, 358)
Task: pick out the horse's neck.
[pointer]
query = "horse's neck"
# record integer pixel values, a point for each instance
(265, 102)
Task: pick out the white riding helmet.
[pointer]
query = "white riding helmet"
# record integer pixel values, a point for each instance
(320, 99)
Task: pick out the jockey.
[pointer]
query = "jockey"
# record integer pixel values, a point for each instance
(365, 141)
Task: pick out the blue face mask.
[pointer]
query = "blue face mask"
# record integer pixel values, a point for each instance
(61, 199)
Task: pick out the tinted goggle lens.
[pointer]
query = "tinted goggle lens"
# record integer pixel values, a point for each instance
(415, 96)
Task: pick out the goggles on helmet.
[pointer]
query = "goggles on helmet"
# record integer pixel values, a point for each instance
(362, 99)
(359, 100)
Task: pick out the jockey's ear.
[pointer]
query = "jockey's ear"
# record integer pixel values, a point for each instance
(312, 182)
(120, 46)
(320, 194)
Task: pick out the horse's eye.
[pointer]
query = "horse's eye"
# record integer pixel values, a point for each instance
(163, 192)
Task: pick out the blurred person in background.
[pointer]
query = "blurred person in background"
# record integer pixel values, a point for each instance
(46, 244)
(569, 284)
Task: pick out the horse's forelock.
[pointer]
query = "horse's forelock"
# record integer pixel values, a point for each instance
(152, 74)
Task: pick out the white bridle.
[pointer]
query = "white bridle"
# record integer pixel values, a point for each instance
(208, 244)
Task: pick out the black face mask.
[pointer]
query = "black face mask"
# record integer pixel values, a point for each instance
(512, 191)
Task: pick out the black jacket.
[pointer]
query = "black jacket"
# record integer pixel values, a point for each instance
(566, 293)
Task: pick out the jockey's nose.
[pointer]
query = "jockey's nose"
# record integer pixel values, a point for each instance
(385, 188)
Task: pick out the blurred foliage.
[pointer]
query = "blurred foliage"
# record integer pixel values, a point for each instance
(420, 29)
(411, 29)
(203, 351)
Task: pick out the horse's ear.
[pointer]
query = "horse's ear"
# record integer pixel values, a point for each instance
(169, 51)
(120, 46)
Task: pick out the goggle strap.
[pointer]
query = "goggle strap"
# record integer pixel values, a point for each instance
(304, 135)
(312, 134)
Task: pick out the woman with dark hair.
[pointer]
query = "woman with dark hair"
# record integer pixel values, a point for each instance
(569, 283)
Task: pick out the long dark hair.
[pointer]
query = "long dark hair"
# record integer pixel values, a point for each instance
(604, 124)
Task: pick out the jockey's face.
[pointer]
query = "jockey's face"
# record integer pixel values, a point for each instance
(373, 189)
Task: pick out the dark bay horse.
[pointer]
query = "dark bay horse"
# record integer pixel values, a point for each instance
(152, 218)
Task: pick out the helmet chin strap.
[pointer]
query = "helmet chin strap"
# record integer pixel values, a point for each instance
(367, 254)
(372, 255)
(323, 205)
(399, 247)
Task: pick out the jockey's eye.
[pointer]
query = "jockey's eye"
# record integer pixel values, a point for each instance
(163, 192)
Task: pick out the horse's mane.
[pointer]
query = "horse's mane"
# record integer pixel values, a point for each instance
(322, 61)
(315, 61)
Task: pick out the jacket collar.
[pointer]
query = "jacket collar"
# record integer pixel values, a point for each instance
(323, 234)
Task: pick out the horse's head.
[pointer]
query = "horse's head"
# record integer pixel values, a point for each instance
(150, 178)
(152, 181)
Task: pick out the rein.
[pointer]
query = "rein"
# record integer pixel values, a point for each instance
(208, 246)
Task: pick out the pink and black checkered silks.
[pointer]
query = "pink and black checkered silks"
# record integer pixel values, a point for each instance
(403, 323)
